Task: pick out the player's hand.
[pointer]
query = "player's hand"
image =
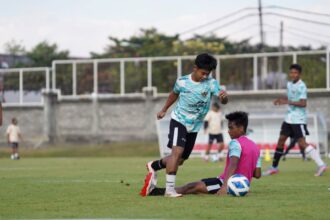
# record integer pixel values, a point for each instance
(161, 114)
(223, 97)
(280, 101)
(222, 191)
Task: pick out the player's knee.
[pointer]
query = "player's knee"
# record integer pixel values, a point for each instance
(181, 161)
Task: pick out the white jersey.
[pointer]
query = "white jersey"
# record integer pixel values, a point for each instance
(214, 122)
(13, 131)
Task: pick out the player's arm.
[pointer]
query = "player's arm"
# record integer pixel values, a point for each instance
(257, 170)
(170, 100)
(233, 163)
(300, 103)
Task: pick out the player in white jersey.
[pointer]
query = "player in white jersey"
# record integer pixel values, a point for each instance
(295, 123)
(13, 138)
(193, 92)
(212, 125)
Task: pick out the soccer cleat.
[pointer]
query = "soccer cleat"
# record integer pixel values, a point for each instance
(172, 194)
(321, 170)
(270, 171)
(148, 185)
(151, 170)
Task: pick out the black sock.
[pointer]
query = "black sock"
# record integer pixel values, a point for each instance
(157, 165)
(302, 151)
(157, 192)
(277, 156)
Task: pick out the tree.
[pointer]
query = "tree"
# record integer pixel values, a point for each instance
(15, 49)
(44, 53)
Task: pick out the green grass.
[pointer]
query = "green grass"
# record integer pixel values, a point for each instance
(107, 187)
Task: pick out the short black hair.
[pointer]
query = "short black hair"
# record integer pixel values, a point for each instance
(239, 118)
(206, 61)
(296, 67)
(216, 105)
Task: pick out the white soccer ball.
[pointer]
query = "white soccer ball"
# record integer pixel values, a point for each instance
(238, 185)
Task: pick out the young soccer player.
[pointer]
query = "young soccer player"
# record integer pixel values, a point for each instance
(13, 138)
(194, 92)
(295, 123)
(243, 158)
(212, 125)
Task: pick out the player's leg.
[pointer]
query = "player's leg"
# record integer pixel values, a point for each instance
(205, 186)
(16, 152)
(170, 178)
(13, 151)
(171, 170)
(284, 134)
(301, 132)
(206, 157)
(293, 142)
(314, 154)
(221, 146)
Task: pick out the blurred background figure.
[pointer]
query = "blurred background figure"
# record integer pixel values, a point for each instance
(212, 126)
(13, 138)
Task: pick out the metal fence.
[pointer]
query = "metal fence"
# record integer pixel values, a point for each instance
(122, 76)
(24, 85)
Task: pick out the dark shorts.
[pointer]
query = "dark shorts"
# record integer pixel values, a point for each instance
(217, 137)
(14, 144)
(178, 136)
(212, 184)
(294, 130)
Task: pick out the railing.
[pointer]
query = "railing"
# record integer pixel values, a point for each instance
(23, 86)
(122, 76)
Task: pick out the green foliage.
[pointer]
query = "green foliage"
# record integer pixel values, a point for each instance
(44, 53)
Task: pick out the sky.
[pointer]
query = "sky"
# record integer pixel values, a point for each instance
(83, 26)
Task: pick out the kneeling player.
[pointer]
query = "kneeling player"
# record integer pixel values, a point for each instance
(243, 158)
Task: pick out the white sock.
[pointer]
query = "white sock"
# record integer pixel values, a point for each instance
(170, 182)
(314, 154)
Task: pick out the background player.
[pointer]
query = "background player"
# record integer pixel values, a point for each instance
(212, 125)
(295, 123)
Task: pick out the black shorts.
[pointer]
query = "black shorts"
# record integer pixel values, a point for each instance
(14, 144)
(294, 130)
(217, 137)
(178, 136)
(212, 184)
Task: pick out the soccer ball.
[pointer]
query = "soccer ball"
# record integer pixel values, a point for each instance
(238, 185)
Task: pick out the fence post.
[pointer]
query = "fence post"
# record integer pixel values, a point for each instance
(74, 78)
(122, 77)
(21, 87)
(255, 73)
(217, 71)
(47, 79)
(53, 76)
(95, 76)
(179, 67)
(149, 73)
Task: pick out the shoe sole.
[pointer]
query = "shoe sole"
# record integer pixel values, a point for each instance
(147, 183)
(172, 196)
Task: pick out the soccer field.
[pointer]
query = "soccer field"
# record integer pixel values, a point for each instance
(108, 187)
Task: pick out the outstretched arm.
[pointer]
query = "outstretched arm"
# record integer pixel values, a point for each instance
(170, 100)
(233, 163)
(257, 173)
(285, 101)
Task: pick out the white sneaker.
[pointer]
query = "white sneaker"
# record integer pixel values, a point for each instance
(172, 194)
(154, 173)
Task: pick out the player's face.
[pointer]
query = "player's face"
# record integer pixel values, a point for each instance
(234, 131)
(200, 74)
(294, 75)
